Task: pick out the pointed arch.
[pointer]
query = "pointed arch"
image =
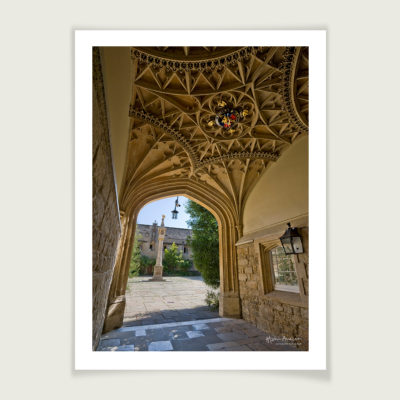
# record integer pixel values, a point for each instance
(218, 204)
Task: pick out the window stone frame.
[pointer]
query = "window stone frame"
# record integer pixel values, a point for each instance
(263, 247)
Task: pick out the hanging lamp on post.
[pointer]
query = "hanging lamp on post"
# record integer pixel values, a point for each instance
(291, 241)
(174, 211)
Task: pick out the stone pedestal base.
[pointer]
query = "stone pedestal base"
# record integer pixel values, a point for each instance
(114, 314)
(229, 305)
(157, 275)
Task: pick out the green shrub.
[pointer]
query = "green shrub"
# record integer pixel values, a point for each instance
(173, 261)
(139, 263)
(212, 300)
(185, 267)
(145, 264)
(134, 267)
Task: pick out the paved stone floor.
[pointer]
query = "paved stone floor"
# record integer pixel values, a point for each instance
(216, 334)
(174, 300)
(172, 316)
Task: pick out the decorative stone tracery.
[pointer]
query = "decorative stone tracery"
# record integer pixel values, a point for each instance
(240, 156)
(294, 59)
(177, 93)
(204, 62)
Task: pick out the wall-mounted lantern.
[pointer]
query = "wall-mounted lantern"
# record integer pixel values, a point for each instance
(291, 241)
(174, 211)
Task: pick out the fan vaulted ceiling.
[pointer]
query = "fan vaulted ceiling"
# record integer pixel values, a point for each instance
(177, 93)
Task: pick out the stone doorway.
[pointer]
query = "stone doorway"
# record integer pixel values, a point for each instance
(178, 293)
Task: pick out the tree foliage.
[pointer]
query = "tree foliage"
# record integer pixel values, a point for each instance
(173, 261)
(172, 258)
(204, 242)
(146, 264)
(134, 267)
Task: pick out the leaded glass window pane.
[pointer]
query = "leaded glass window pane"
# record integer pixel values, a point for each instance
(284, 271)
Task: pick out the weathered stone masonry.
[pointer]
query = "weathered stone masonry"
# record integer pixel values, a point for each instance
(277, 312)
(106, 222)
(149, 238)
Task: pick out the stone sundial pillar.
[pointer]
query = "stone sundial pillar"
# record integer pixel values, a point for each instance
(158, 268)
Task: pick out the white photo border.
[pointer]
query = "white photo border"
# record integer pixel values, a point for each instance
(85, 358)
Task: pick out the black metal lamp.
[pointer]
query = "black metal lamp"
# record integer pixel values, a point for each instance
(174, 211)
(291, 241)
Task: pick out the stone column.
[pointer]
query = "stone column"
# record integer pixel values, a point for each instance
(229, 298)
(158, 268)
(116, 298)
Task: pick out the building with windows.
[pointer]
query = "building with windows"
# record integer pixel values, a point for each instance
(148, 239)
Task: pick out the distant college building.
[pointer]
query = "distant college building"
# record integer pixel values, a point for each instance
(148, 239)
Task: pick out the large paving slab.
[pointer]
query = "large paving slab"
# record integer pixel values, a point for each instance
(196, 335)
(172, 316)
(174, 300)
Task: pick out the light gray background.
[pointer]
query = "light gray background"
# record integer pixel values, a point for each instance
(36, 156)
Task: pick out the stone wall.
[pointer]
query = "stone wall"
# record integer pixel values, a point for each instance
(276, 312)
(106, 222)
(149, 236)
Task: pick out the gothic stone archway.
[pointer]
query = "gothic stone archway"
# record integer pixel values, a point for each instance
(178, 146)
(228, 235)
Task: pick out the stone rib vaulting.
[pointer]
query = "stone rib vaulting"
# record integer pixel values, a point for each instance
(177, 147)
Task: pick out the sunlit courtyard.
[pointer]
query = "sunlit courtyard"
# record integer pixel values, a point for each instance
(177, 298)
